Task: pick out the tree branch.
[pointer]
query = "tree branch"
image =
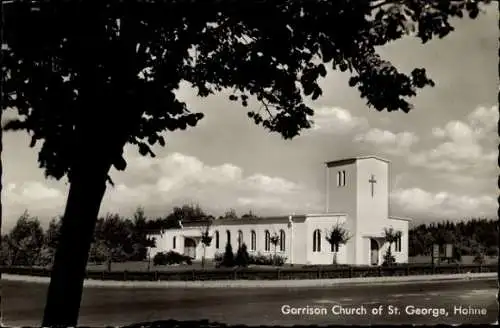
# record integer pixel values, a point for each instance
(383, 3)
(266, 107)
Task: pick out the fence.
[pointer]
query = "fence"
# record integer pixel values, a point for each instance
(266, 274)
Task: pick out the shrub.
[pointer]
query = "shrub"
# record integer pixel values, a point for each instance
(170, 258)
(278, 260)
(160, 259)
(242, 257)
(46, 257)
(479, 258)
(260, 259)
(228, 259)
(492, 251)
(389, 259)
(218, 258)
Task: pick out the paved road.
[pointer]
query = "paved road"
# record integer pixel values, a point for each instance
(23, 304)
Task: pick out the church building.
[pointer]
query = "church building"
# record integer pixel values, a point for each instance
(357, 199)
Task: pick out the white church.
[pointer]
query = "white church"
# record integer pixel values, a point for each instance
(357, 198)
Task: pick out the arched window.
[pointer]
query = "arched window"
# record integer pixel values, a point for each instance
(339, 179)
(317, 241)
(267, 241)
(217, 239)
(253, 244)
(228, 235)
(343, 178)
(240, 238)
(398, 244)
(282, 240)
(173, 242)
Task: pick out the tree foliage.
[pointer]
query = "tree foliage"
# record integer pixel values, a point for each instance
(114, 234)
(274, 239)
(89, 77)
(206, 239)
(249, 215)
(467, 237)
(337, 235)
(140, 237)
(51, 240)
(230, 214)
(132, 56)
(391, 236)
(242, 257)
(179, 214)
(228, 258)
(25, 241)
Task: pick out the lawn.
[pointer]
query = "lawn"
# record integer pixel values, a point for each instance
(143, 266)
(209, 264)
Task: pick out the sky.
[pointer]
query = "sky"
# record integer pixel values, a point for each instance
(443, 153)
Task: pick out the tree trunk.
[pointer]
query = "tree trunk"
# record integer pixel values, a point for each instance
(149, 261)
(108, 262)
(102, 139)
(78, 223)
(203, 258)
(1, 175)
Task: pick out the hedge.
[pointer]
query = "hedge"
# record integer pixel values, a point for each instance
(319, 272)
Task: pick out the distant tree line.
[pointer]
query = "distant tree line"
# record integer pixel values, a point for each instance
(475, 237)
(118, 238)
(191, 213)
(115, 239)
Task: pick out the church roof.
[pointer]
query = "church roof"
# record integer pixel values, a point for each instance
(250, 220)
(256, 220)
(353, 159)
(399, 218)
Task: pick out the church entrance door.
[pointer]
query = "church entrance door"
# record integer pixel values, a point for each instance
(190, 247)
(374, 251)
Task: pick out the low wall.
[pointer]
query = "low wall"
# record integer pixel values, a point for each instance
(326, 272)
(465, 260)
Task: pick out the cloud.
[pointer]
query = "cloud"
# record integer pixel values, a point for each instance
(175, 179)
(336, 120)
(420, 203)
(484, 119)
(463, 144)
(36, 197)
(387, 141)
(180, 178)
(31, 193)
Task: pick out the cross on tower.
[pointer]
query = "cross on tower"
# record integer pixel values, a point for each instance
(372, 181)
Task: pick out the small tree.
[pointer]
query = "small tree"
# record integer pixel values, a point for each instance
(242, 257)
(249, 215)
(206, 240)
(337, 236)
(51, 239)
(115, 235)
(5, 251)
(478, 252)
(26, 240)
(230, 214)
(228, 260)
(275, 240)
(141, 241)
(391, 236)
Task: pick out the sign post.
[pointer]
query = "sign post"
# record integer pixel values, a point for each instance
(449, 252)
(435, 254)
